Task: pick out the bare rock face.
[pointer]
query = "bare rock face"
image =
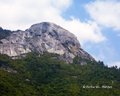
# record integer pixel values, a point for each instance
(44, 37)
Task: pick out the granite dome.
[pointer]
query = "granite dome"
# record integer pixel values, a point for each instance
(43, 37)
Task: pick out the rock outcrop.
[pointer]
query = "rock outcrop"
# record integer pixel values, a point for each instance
(5, 68)
(44, 37)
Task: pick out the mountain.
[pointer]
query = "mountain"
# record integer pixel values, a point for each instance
(41, 70)
(43, 37)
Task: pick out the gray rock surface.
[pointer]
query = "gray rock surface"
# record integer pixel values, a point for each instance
(81, 62)
(5, 68)
(42, 37)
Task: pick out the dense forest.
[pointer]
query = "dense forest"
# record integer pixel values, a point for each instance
(36, 75)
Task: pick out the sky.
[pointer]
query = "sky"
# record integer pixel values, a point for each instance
(95, 23)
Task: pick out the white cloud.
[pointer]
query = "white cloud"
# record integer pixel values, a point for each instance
(114, 64)
(61, 4)
(85, 31)
(105, 12)
(21, 14)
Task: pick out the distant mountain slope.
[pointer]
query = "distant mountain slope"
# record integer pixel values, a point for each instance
(43, 37)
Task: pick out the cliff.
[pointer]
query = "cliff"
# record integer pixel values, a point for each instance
(43, 37)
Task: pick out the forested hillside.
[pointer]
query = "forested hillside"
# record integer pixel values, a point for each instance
(44, 76)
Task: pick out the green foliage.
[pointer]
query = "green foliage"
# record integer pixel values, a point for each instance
(44, 76)
(4, 33)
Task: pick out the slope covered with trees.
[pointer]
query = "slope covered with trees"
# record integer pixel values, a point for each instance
(4, 33)
(44, 76)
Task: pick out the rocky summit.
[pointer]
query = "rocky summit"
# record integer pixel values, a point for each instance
(43, 37)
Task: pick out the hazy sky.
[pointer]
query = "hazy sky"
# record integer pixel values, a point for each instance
(96, 23)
